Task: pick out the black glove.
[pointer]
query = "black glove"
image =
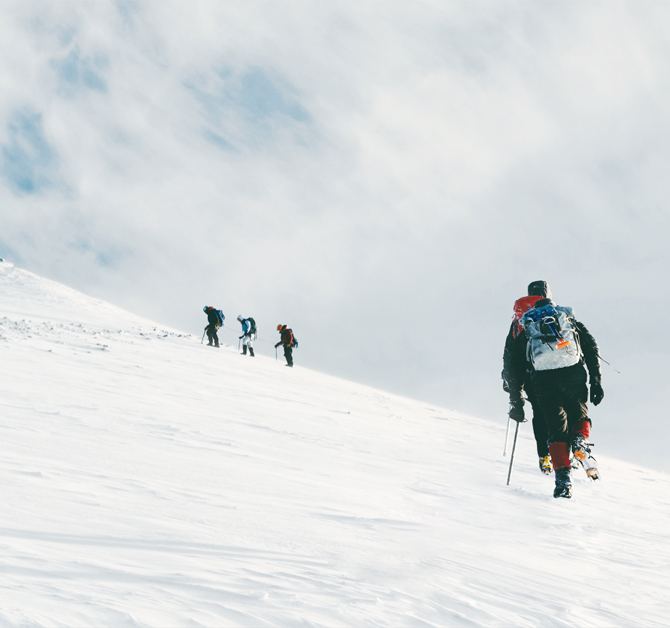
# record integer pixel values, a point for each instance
(242, 336)
(597, 392)
(516, 408)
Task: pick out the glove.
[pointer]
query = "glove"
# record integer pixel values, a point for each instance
(242, 336)
(516, 408)
(277, 344)
(597, 392)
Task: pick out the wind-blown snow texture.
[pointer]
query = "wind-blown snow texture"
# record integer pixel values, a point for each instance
(148, 480)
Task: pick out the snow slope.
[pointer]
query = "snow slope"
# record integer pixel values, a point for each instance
(148, 480)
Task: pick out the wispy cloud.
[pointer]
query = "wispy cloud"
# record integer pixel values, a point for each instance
(76, 72)
(387, 177)
(246, 107)
(27, 157)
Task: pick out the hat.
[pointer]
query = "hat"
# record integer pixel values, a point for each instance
(539, 289)
(279, 327)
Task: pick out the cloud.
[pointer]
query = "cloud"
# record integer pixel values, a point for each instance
(247, 107)
(76, 72)
(386, 178)
(27, 157)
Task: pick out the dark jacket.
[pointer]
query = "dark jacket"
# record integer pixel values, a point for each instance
(212, 318)
(521, 306)
(508, 369)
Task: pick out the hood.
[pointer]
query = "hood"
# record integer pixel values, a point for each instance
(542, 303)
(540, 289)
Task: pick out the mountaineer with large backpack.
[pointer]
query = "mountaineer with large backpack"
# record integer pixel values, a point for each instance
(536, 290)
(289, 341)
(560, 350)
(248, 334)
(215, 320)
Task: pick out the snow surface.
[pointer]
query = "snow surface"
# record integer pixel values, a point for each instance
(148, 480)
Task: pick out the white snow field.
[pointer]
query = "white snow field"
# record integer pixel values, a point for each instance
(149, 480)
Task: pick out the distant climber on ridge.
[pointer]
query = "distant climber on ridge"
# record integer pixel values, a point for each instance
(215, 320)
(558, 347)
(248, 334)
(536, 290)
(289, 341)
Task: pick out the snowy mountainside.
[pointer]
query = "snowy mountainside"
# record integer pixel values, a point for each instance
(148, 480)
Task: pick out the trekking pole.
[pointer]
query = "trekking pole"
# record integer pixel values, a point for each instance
(275, 354)
(506, 437)
(608, 364)
(203, 335)
(511, 460)
(238, 344)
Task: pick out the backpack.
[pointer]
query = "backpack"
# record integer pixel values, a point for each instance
(521, 306)
(252, 323)
(553, 342)
(219, 317)
(294, 342)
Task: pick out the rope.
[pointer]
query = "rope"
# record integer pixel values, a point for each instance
(257, 339)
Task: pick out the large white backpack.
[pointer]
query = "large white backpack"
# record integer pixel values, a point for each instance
(553, 342)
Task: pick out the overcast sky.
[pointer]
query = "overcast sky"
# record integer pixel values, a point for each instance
(384, 177)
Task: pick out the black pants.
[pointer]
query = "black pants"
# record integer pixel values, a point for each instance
(562, 395)
(539, 422)
(288, 354)
(212, 335)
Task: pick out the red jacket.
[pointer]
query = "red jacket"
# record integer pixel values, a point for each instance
(286, 337)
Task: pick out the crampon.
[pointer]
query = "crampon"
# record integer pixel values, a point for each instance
(582, 451)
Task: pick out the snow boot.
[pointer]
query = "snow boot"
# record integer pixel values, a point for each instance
(244, 349)
(563, 483)
(582, 452)
(545, 465)
(251, 352)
